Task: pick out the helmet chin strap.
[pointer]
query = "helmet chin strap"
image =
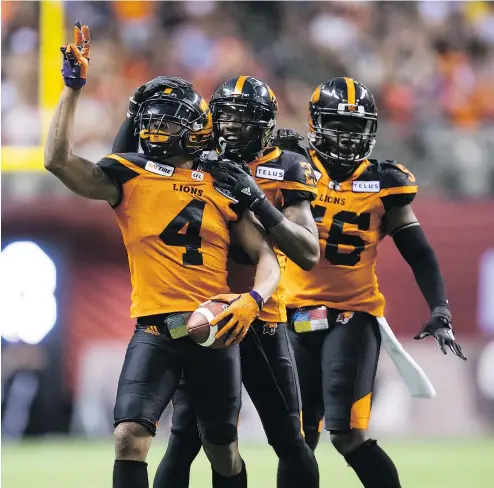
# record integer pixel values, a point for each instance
(222, 143)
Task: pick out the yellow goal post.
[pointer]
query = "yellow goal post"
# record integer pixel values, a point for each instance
(51, 33)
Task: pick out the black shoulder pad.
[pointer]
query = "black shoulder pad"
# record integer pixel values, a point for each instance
(116, 170)
(398, 184)
(394, 175)
(298, 168)
(138, 159)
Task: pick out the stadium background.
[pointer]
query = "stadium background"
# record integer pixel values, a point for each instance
(64, 281)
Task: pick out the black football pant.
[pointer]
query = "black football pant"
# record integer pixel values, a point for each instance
(153, 366)
(337, 369)
(270, 377)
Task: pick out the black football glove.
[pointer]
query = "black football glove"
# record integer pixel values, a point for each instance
(239, 184)
(288, 139)
(440, 328)
(150, 88)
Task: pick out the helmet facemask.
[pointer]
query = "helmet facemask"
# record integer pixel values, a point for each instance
(244, 128)
(342, 141)
(165, 126)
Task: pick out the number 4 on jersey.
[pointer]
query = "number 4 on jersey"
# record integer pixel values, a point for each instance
(190, 215)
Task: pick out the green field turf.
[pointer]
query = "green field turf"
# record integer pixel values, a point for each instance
(88, 464)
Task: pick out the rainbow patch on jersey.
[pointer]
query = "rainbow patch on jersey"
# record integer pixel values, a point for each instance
(310, 319)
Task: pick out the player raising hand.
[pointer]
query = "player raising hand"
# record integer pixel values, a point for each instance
(176, 228)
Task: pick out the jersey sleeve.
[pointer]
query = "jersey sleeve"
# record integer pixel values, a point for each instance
(114, 166)
(299, 182)
(398, 185)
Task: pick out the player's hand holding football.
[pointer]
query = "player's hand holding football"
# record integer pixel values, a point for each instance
(440, 328)
(76, 58)
(243, 310)
(241, 185)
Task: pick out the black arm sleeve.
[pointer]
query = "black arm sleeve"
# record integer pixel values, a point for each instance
(418, 253)
(126, 141)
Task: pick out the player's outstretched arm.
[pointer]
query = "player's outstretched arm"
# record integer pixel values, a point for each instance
(402, 224)
(296, 235)
(245, 308)
(80, 175)
(294, 231)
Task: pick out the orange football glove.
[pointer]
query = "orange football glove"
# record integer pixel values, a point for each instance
(243, 310)
(76, 57)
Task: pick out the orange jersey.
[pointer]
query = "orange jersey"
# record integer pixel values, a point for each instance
(285, 177)
(175, 227)
(349, 219)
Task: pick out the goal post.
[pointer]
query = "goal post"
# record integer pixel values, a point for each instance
(51, 33)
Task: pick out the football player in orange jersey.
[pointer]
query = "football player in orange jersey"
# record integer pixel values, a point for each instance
(176, 228)
(336, 311)
(244, 111)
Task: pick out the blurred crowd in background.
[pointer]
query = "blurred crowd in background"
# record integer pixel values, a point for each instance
(429, 63)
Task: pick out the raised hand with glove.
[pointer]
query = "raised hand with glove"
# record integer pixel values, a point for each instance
(289, 140)
(242, 186)
(440, 328)
(243, 310)
(76, 58)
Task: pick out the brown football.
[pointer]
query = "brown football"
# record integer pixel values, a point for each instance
(199, 327)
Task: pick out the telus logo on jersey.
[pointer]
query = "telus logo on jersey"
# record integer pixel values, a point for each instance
(270, 173)
(159, 169)
(366, 187)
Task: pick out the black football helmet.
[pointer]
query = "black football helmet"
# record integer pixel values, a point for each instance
(176, 121)
(342, 124)
(244, 111)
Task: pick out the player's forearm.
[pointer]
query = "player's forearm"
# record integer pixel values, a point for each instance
(59, 141)
(267, 275)
(126, 140)
(78, 174)
(298, 243)
(418, 253)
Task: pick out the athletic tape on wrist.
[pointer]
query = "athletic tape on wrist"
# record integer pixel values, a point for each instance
(257, 298)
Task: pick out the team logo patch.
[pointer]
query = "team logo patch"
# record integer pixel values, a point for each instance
(246, 190)
(197, 175)
(317, 175)
(366, 186)
(270, 328)
(159, 169)
(344, 317)
(270, 173)
(333, 185)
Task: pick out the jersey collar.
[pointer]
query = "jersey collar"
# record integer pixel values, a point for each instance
(320, 167)
(274, 153)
